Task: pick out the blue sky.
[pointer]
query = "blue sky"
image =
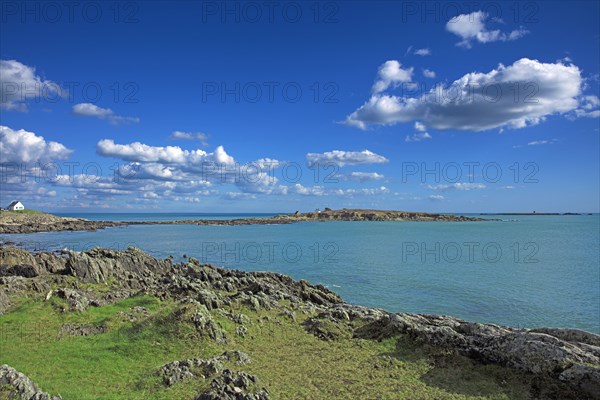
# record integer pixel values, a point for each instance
(185, 106)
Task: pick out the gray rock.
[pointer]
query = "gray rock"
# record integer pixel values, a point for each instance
(566, 355)
(289, 314)
(239, 357)
(573, 362)
(177, 371)
(326, 328)
(241, 331)
(99, 265)
(21, 386)
(585, 378)
(18, 262)
(238, 318)
(76, 300)
(206, 325)
(210, 299)
(72, 330)
(233, 386)
(134, 314)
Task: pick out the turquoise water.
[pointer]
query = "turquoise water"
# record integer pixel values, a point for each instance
(162, 216)
(526, 271)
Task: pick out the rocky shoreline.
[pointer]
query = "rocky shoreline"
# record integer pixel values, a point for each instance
(11, 222)
(567, 359)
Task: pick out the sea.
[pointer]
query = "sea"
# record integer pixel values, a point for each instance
(524, 271)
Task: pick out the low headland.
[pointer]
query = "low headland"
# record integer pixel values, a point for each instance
(125, 325)
(31, 222)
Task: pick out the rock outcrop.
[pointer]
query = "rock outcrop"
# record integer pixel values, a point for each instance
(131, 268)
(16, 222)
(11, 222)
(18, 262)
(177, 371)
(234, 386)
(566, 356)
(19, 386)
(572, 356)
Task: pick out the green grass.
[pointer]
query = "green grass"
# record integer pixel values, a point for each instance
(289, 362)
(26, 211)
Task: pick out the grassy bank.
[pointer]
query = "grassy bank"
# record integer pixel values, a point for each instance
(290, 362)
(22, 212)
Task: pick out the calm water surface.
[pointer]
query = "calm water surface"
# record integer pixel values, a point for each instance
(529, 271)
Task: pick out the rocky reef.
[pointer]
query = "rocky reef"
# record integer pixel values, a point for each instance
(374, 215)
(568, 358)
(15, 222)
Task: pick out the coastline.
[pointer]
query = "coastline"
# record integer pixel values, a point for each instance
(11, 222)
(568, 358)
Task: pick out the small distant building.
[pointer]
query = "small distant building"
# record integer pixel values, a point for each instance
(16, 206)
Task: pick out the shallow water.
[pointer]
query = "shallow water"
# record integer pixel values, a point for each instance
(527, 271)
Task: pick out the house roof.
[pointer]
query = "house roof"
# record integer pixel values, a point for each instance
(14, 203)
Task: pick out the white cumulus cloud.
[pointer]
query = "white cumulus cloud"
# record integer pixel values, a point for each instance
(427, 73)
(481, 101)
(92, 110)
(139, 152)
(472, 27)
(23, 147)
(196, 136)
(19, 82)
(391, 73)
(341, 158)
(178, 168)
(421, 134)
(589, 106)
(360, 176)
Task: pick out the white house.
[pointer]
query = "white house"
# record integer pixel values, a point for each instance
(16, 206)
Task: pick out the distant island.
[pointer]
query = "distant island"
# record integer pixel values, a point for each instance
(31, 221)
(532, 213)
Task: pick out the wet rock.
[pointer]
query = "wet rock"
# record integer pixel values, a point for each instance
(20, 386)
